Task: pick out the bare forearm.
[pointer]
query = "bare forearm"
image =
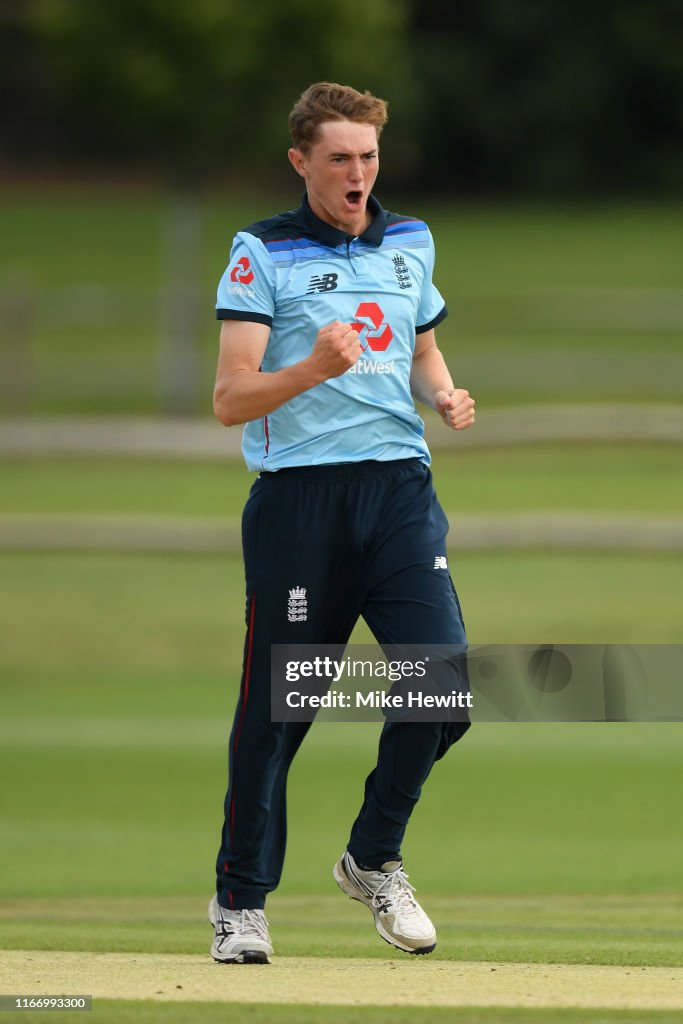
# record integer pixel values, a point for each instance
(431, 383)
(248, 395)
(243, 393)
(429, 375)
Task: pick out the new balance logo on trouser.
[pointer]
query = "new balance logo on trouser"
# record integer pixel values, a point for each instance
(361, 539)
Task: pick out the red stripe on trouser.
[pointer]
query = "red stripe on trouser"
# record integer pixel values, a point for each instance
(245, 697)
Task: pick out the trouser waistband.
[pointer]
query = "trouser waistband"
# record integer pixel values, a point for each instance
(346, 470)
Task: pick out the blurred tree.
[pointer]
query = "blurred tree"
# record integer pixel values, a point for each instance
(536, 96)
(506, 95)
(24, 86)
(193, 86)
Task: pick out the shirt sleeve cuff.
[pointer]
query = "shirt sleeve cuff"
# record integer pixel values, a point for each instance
(244, 314)
(432, 323)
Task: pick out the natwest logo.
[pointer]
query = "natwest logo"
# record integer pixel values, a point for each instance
(242, 271)
(369, 324)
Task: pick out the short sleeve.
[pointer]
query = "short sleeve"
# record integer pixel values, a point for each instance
(432, 309)
(246, 290)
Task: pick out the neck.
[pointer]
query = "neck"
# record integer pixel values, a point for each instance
(355, 227)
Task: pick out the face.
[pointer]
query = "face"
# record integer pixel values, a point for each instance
(339, 170)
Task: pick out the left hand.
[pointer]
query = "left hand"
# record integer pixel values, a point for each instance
(455, 408)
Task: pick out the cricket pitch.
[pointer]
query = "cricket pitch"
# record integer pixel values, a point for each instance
(343, 981)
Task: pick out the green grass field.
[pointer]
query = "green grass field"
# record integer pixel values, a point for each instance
(519, 831)
(120, 672)
(532, 843)
(110, 1012)
(623, 478)
(193, 1013)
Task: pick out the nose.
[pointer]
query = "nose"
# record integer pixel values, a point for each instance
(356, 170)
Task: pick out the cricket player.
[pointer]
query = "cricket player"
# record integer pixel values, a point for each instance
(328, 334)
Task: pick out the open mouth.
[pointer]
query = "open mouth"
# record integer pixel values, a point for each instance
(354, 199)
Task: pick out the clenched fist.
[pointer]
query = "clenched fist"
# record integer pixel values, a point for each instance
(455, 408)
(337, 347)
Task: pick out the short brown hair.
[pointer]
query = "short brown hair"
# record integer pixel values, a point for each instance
(329, 101)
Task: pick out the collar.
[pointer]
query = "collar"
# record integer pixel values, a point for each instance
(329, 235)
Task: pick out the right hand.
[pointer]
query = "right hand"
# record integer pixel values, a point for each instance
(337, 347)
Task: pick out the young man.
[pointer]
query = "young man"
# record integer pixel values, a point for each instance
(328, 331)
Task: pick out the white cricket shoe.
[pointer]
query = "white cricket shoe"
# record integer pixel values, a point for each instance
(241, 935)
(388, 894)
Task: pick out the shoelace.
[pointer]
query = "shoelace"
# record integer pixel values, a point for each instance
(396, 890)
(252, 924)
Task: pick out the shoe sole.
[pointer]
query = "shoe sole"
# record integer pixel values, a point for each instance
(340, 878)
(245, 956)
(249, 956)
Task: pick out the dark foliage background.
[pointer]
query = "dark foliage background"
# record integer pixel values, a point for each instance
(508, 96)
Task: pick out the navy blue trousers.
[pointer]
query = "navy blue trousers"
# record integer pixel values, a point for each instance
(361, 539)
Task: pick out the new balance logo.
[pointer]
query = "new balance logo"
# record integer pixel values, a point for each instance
(402, 272)
(297, 605)
(440, 562)
(324, 283)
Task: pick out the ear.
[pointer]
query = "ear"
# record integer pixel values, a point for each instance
(298, 161)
